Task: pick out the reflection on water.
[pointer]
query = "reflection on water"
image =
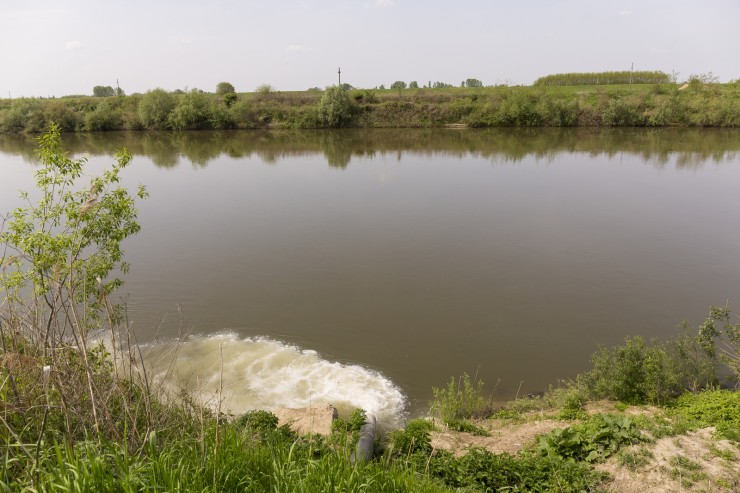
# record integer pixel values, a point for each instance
(689, 147)
(419, 259)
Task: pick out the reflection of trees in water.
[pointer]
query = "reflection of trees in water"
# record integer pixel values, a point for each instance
(688, 147)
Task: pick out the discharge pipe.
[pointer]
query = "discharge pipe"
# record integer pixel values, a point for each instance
(365, 448)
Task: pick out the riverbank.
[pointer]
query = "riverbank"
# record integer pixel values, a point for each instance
(651, 105)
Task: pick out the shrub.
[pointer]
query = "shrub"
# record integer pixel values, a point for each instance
(258, 422)
(719, 338)
(24, 115)
(105, 116)
(335, 108)
(155, 108)
(67, 252)
(634, 373)
(619, 112)
(192, 112)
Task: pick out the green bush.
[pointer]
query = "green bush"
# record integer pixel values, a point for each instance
(639, 373)
(24, 115)
(335, 108)
(258, 421)
(105, 116)
(192, 112)
(155, 108)
(621, 113)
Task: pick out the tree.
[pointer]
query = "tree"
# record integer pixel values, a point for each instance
(335, 108)
(60, 261)
(103, 91)
(224, 88)
(413, 85)
(155, 108)
(440, 85)
(399, 84)
(473, 83)
(66, 246)
(227, 93)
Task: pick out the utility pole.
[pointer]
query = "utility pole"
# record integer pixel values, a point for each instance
(339, 71)
(118, 88)
(632, 69)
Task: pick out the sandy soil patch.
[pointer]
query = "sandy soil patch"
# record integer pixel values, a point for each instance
(696, 461)
(308, 420)
(505, 436)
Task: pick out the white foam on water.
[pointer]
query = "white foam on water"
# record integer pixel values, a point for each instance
(261, 373)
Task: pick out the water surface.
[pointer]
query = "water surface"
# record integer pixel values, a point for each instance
(418, 255)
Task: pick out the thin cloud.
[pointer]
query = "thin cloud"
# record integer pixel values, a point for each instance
(381, 4)
(297, 49)
(72, 45)
(623, 13)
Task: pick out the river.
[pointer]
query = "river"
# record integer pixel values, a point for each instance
(363, 267)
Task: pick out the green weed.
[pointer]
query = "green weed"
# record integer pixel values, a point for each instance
(592, 441)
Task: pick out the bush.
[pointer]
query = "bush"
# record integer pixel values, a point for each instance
(335, 108)
(155, 108)
(619, 112)
(635, 373)
(719, 338)
(192, 112)
(24, 115)
(258, 422)
(105, 116)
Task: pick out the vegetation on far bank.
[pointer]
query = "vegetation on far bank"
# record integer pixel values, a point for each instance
(554, 101)
(81, 415)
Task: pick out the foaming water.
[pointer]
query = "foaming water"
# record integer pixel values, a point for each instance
(261, 373)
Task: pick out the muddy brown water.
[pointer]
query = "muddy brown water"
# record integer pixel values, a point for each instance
(410, 256)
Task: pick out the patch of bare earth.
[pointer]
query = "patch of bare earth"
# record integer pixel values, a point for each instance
(694, 462)
(505, 436)
(308, 420)
(713, 465)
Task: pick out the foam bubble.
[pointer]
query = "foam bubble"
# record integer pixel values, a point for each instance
(261, 373)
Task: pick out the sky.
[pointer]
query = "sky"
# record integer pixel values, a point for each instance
(64, 47)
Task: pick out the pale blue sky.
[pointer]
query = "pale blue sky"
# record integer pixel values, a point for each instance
(61, 47)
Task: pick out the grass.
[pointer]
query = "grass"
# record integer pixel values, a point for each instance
(634, 458)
